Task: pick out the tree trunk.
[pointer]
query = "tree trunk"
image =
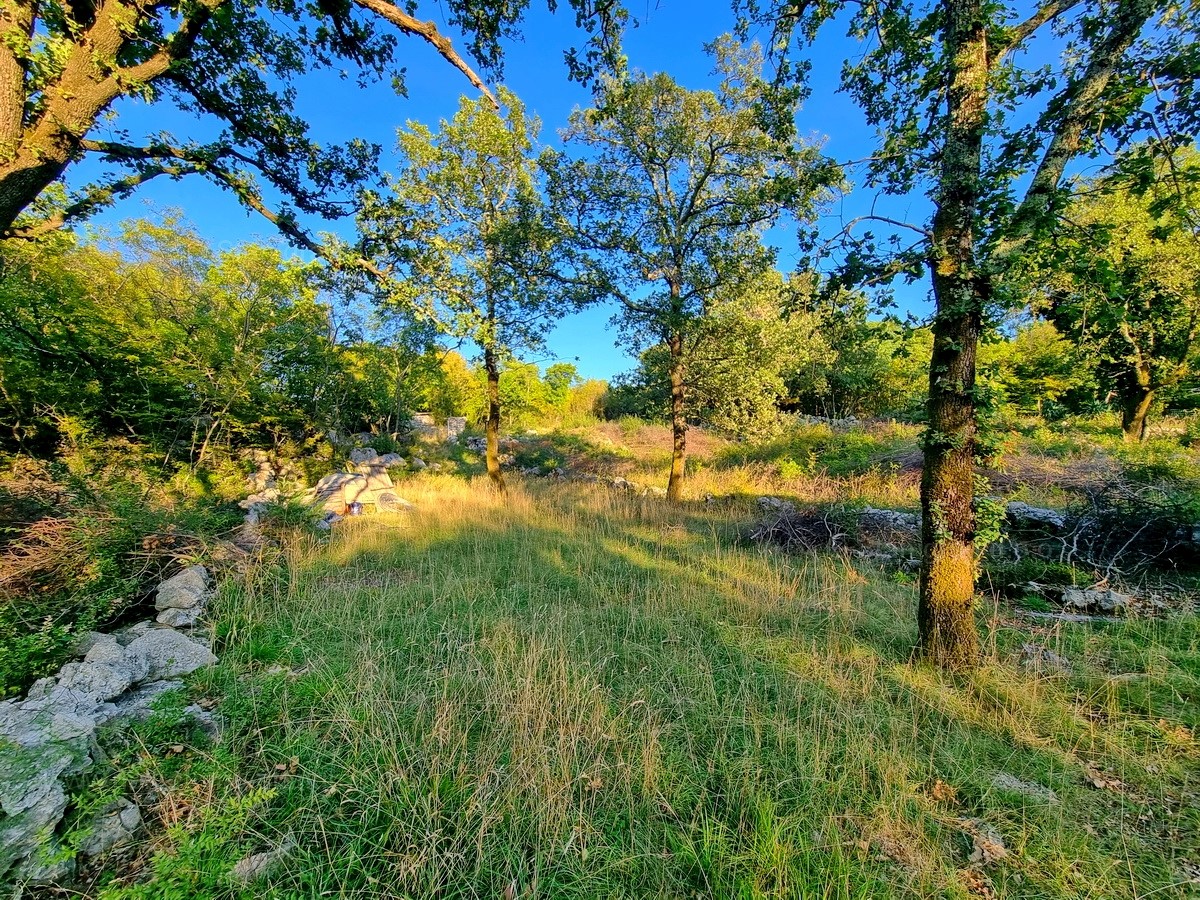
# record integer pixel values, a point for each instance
(1135, 408)
(946, 615)
(678, 420)
(493, 419)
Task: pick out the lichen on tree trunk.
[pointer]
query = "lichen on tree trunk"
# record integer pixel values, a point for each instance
(492, 428)
(945, 617)
(678, 420)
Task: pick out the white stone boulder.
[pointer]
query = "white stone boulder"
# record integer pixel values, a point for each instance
(1023, 516)
(183, 591)
(169, 654)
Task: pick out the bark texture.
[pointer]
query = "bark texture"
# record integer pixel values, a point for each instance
(1135, 411)
(678, 420)
(946, 615)
(492, 429)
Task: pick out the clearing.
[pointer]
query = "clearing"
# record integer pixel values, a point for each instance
(577, 692)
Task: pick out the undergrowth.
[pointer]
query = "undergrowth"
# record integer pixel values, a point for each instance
(579, 693)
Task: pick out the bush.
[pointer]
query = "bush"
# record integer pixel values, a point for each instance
(86, 536)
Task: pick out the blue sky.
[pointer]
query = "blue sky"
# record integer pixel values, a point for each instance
(670, 38)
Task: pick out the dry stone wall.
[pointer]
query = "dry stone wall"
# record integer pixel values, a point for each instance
(50, 734)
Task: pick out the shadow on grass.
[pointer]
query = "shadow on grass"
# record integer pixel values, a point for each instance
(586, 694)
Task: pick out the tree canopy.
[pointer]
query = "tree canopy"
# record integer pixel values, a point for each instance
(233, 64)
(667, 211)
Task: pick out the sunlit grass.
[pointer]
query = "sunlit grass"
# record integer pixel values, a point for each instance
(575, 692)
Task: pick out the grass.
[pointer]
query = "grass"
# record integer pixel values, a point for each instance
(581, 694)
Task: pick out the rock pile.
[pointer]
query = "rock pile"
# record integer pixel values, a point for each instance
(368, 483)
(51, 734)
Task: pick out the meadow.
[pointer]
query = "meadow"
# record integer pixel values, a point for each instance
(581, 692)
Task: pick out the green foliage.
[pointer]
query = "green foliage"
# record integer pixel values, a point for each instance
(1120, 276)
(164, 340)
(466, 677)
(846, 364)
(117, 525)
(806, 449)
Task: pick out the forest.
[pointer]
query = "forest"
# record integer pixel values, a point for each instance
(851, 550)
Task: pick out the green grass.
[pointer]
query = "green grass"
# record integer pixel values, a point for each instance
(579, 694)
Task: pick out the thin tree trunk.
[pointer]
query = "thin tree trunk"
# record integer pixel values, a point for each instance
(1135, 409)
(678, 420)
(946, 616)
(493, 419)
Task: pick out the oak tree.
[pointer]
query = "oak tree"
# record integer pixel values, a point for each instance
(983, 106)
(464, 228)
(1121, 276)
(667, 209)
(235, 66)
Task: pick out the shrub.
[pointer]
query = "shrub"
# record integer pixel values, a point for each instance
(85, 537)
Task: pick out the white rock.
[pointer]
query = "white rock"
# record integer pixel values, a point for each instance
(168, 653)
(137, 704)
(105, 649)
(111, 828)
(1007, 782)
(101, 680)
(1102, 601)
(22, 834)
(263, 497)
(1022, 515)
(260, 865)
(889, 519)
(418, 463)
(184, 590)
(179, 618)
(363, 455)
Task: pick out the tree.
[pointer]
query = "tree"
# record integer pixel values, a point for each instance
(845, 363)
(667, 212)
(738, 356)
(64, 64)
(465, 223)
(1121, 277)
(969, 110)
(161, 339)
(1036, 366)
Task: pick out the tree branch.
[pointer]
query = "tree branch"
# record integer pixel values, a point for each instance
(427, 30)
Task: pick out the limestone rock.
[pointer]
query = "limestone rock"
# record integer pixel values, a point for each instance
(335, 490)
(1030, 789)
(328, 521)
(455, 425)
(105, 648)
(113, 827)
(1102, 601)
(390, 502)
(889, 520)
(137, 703)
(169, 654)
(100, 680)
(179, 618)
(183, 591)
(261, 498)
(775, 505)
(392, 460)
(1023, 516)
(260, 865)
(377, 477)
(363, 455)
(41, 741)
(22, 835)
